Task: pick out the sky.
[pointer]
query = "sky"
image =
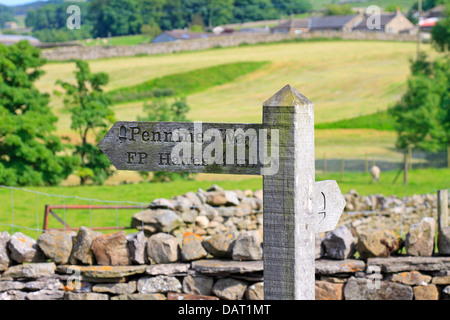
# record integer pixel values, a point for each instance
(15, 2)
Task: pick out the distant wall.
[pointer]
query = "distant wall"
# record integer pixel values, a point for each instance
(101, 52)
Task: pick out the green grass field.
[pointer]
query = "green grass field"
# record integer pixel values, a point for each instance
(184, 84)
(28, 207)
(344, 79)
(118, 41)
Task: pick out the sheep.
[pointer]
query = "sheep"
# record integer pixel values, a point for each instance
(375, 172)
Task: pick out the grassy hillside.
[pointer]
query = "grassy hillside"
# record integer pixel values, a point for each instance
(344, 79)
(183, 84)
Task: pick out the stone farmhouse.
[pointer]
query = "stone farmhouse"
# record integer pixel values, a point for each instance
(391, 23)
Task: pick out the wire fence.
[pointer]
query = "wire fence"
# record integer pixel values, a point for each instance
(418, 160)
(25, 211)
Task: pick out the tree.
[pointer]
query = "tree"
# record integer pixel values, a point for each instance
(6, 15)
(160, 110)
(91, 116)
(49, 23)
(440, 34)
(254, 10)
(292, 6)
(115, 17)
(338, 9)
(422, 115)
(29, 149)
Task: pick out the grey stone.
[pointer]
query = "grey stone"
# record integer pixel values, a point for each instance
(167, 269)
(248, 246)
(104, 272)
(378, 243)
(215, 187)
(232, 198)
(48, 284)
(82, 246)
(319, 251)
(258, 194)
(194, 199)
(158, 284)
(446, 291)
(411, 278)
(255, 291)
(24, 249)
(162, 248)
(444, 241)
(420, 239)
(139, 296)
(32, 270)
(220, 245)
(202, 222)
(159, 220)
(358, 289)
(339, 244)
(85, 296)
(162, 203)
(137, 246)
(181, 203)
(229, 289)
(4, 255)
(111, 249)
(398, 264)
(13, 295)
(46, 295)
(326, 267)
(216, 198)
(11, 285)
(189, 216)
(57, 245)
(215, 266)
(199, 285)
(115, 288)
(192, 248)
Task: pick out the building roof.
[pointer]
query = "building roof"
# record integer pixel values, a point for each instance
(186, 35)
(436, 12)
(294, 24)
(330, 22)
(385, 18)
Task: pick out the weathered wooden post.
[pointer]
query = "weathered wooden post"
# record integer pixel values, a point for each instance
(295, 207)
(442, 197)
(289, 205)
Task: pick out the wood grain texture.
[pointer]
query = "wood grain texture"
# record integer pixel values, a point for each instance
(147, 146)
(442, 209)
(289, 200)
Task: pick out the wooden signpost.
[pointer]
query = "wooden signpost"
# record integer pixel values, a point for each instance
(281, 149)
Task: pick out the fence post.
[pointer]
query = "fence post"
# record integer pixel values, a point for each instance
(366, 164)
(405, 168)
(289, 200)
(342, 169)
(442, 209)
(448, 157)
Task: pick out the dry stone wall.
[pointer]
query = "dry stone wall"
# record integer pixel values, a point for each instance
(209, 245)
(101, 52)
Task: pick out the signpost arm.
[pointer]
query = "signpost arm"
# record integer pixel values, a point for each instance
(289, 200)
